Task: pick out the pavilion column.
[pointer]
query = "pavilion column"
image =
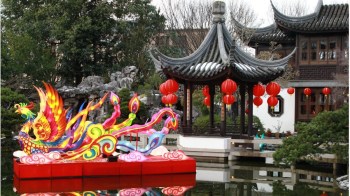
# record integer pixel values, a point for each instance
(250, 108)
(223, 118)
(184, 119)
(189, 107)
(242, 113)
(211, 109)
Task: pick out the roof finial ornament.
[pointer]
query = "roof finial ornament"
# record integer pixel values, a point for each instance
(219, 9)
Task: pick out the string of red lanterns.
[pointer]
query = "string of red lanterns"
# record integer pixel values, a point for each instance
(168, 89)
(205, 92)
(228, 87)
(273, 89)
(258, 91)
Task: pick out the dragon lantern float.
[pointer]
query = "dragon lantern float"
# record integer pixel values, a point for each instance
(58, 135)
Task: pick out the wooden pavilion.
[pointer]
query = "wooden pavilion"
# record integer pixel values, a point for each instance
(217, 59)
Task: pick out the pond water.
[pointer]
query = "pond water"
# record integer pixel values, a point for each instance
(243, 177)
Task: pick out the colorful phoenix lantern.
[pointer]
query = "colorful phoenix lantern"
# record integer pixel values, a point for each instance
(58, 133)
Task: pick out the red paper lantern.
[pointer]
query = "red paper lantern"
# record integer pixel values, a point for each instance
(206, 101)
(307, 91)
(258, 90)
(272, 101)
(162, 89)
(228, 99)
(228, 86)
(164, 100)
(290, 90)
(257, 101)
(247, 111)
(205, 90)
(171, 86)
(171, 98)
(326, 91)
(273, 88)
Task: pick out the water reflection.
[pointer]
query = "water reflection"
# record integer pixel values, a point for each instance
(258, 178)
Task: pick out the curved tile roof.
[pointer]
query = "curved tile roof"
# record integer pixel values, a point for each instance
(264, 34)
(325, 18)
(217, 58)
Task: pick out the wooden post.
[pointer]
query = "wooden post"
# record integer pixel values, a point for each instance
(250, 108)
(211, 110)
(190, 91)
(223, 118)
(242, 115)
(184, 119)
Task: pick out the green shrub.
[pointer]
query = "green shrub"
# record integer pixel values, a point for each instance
(10, 121)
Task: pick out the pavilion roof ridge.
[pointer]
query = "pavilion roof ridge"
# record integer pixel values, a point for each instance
(279, 16)
(256, 30)
(241, 56)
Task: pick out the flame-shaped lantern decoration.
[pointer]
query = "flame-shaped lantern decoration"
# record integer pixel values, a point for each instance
(114, 99)
(134, 104)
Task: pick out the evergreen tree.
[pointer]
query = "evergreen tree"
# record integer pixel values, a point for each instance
(77, 38)
(326, 133)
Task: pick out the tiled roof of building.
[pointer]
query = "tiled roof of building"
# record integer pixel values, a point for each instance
(264, 34)
(325, 18)
(217, 58)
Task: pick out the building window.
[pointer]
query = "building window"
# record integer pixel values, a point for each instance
(322, 50)
(278, 109)
(332, 54)
(346, 49)
(313, 50)
(304, 50)
(319, 50)
(308, 107)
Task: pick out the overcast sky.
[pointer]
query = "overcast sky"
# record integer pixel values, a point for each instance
(263, 7)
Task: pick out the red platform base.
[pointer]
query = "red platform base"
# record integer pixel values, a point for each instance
(102, 183)
(90, 168)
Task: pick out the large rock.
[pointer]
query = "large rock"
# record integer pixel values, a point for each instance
(95, 85)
